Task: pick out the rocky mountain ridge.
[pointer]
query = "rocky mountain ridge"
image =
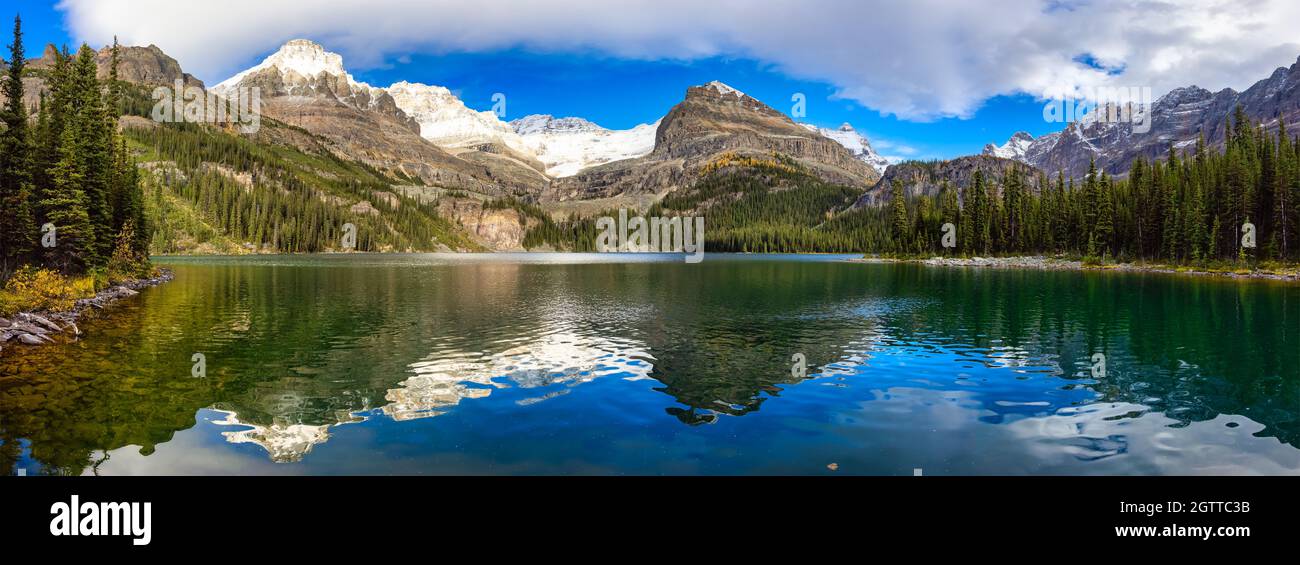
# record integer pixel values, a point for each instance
(1178, 118)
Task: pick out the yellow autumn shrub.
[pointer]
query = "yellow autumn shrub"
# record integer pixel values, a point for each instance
(32, 289)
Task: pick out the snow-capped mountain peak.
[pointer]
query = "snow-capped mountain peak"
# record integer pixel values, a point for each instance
(446, 121)
(724, 89)
(303, 57)
(303, 68)
(566, 146)
(855, 142)
(543, 123)
(1017, 147)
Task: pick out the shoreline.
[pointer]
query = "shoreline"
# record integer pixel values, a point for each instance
(41, 327)
(1042, 263)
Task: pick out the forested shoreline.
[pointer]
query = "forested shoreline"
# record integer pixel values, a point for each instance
(73, 217)
(69, 174)
(1195, 207)
(1199, 207)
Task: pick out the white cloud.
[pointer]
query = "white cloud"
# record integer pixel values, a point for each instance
(920, 59)
(893, 151)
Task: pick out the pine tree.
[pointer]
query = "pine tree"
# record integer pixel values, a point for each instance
(17, 224)
(898, 211)
(1091, 203)
(1013, 195)
(1284, 195)
(94, 144)
(1104, 230)
(949, 207)
(975, 229)
(64, 206)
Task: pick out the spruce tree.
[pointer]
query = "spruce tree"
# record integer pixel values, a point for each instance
(1104, 230)
(949, 207)
(64, 206)
(17, 224)
(898, 212)
(94, 144)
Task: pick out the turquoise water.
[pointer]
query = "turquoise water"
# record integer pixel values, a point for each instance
(641, 364)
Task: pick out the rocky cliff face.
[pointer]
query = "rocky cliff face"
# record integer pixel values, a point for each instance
(714, 119)
(304, 85)
(856, 143)
(496, 229)
(478, 137)
(145, 66)
(926, 178)
(1178, 118)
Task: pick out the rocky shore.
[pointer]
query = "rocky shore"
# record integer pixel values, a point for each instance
(1044, 263)
(1051, 263)
(40, 328)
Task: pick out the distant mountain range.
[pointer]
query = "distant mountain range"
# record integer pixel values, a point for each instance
(434, 150)
(1178, 118)
(305, 85)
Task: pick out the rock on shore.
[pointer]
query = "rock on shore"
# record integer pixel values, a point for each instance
(1051, 263)
(40, 328)
(994, 262)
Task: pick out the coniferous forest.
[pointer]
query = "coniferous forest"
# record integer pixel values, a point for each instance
(69, 179)
(1201, 205)
(71, 195)
(1190, 207)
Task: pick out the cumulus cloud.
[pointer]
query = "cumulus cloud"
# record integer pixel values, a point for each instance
(919, 60)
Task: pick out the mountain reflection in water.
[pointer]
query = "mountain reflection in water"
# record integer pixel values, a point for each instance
(541, 364)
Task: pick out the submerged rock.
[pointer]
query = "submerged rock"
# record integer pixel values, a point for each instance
(40, 321)
(32, 339)
(30, 328)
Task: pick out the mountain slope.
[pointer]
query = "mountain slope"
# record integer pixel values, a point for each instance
(306, 86)
(1015, 148)
(713, 119)
(566, 146)
(855, 142)
(1178, 118)
(479, 137)
(926, 178)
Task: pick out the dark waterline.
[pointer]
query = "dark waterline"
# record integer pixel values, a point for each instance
(628, 364)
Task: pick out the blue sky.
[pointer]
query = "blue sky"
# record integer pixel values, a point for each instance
(621, 93)
(922, 79)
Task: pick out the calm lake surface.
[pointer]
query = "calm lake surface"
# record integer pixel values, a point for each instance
(606, 364)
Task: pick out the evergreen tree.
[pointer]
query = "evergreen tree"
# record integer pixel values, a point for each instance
(94, 145)
(17, 224)
(1104, 230)
(949, 208)
(64, 206)
(898, 212)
